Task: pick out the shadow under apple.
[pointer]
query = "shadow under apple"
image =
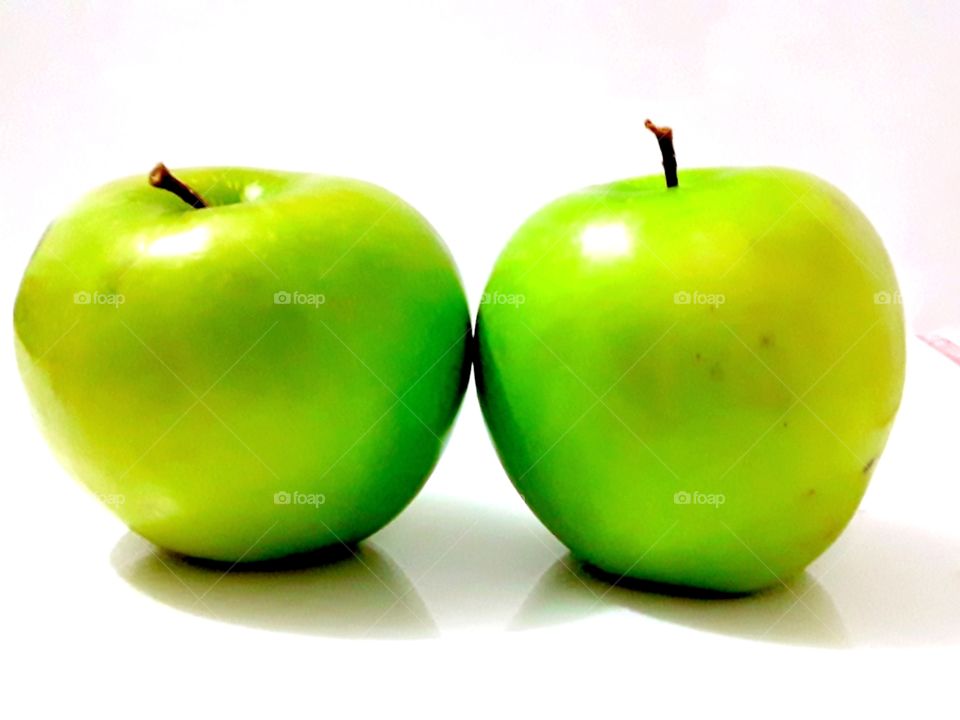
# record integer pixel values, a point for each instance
(880, 585)
(799, 613)
(348, 592)
(473, 563)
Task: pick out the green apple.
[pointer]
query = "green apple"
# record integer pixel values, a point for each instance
(692, 385)
(250, 365)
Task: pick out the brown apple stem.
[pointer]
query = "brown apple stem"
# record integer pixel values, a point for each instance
(665, 140)
(161, 177)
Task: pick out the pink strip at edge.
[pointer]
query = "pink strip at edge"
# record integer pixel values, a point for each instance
(947, 347)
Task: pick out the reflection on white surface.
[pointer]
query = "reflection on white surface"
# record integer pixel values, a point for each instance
(447, 566)
(187, 242)
(602, 242)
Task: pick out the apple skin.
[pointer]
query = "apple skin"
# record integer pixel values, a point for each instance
(194, 404)
(720, 439)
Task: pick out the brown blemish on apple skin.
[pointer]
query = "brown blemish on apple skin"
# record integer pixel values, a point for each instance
(833, 533)
(766, 340)
(870, 463)
(811, 492)
(698, 357)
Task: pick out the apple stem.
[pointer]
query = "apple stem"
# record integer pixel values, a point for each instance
(161, 177)
(665, 140)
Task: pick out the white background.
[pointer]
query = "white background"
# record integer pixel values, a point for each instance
(477, 113)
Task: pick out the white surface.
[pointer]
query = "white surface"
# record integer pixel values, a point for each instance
(478, 113)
